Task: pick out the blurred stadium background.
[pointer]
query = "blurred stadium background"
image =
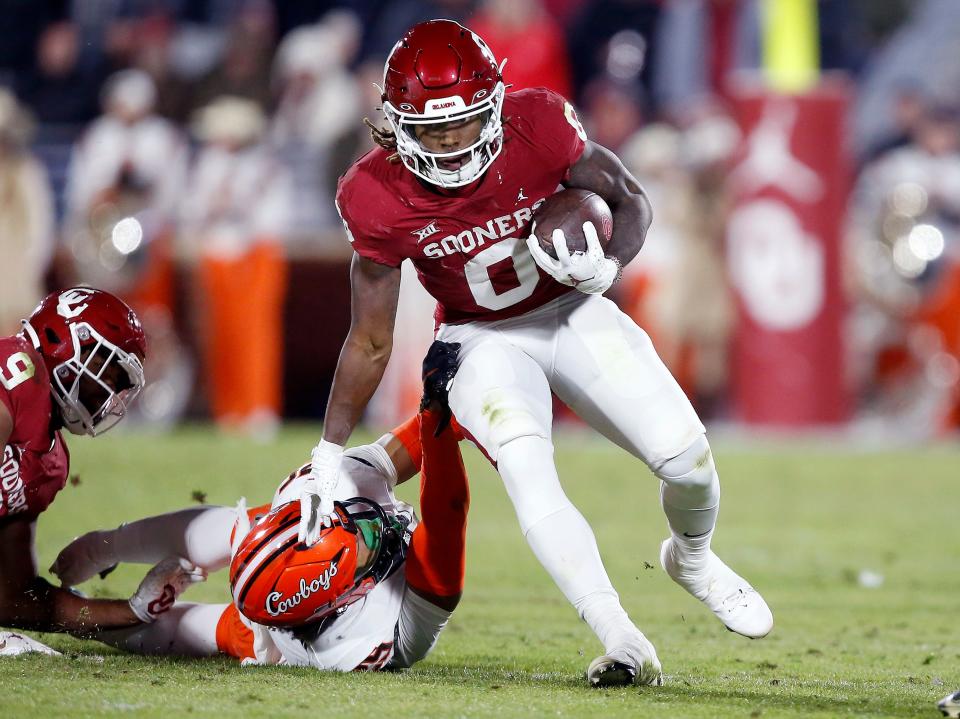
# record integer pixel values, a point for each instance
(803, 270)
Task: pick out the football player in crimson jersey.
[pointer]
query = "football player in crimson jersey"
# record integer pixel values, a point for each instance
(374, 592)
(77, 364)
(452, 188)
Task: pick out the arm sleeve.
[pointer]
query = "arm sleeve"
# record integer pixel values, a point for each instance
(408, 434)
(200, 534)
(363, 236)
(418, 629)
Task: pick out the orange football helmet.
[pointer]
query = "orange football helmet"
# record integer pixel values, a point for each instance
(279, 582)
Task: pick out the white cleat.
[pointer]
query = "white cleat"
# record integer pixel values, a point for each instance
(728, 595)
(13, 644)
(633, 663)
(949, 706)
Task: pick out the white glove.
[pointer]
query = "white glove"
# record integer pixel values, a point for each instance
(85, 556)
(162, 585)
(591, 272)
(316, 496)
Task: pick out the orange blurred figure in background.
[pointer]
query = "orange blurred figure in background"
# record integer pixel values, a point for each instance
(234, 221)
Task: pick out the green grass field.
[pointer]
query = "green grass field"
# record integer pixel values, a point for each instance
(801, 522)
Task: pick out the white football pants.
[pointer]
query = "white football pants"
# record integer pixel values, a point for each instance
(604, 367)
(596, 360)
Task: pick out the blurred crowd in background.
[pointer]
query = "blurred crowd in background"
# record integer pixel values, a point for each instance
(184, 154)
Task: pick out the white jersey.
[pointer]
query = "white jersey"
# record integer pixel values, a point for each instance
(363, 636)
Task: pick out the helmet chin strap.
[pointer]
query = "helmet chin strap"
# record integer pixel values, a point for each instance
(73, 419)
(74, 425)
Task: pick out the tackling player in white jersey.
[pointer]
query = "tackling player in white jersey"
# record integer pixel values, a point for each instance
(374, 592)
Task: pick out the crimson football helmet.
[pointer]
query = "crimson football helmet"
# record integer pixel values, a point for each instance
(279, 582)
(442, 72)
(92, 344)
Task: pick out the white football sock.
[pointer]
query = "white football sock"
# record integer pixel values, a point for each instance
(200, 534)
(690, 497)
(560, 537)
(186, 630)
(608, 620)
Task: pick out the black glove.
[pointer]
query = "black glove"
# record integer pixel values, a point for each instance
(439, 369)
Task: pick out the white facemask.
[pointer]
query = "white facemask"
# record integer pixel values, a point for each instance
(425, 163)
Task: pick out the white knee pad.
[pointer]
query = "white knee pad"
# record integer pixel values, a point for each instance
(508, 419)
(692, 474)
(499, 395)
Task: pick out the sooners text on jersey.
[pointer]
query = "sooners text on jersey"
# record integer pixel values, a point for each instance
(469, 247)
(35, 460)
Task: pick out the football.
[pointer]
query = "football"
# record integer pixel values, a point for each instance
(568, 210)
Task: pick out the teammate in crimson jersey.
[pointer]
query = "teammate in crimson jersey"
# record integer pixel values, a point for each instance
(316, 606)
(468, 246)
(452, 187)
(77, 364)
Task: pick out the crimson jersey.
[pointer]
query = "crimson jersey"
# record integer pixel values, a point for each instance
(35, 461)
(469, 247)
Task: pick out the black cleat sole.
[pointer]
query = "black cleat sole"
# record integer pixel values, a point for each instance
(614, 674)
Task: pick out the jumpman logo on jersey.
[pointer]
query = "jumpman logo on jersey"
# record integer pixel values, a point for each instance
(769, 161)
(521, 196)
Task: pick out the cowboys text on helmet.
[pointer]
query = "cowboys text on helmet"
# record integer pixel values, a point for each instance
(277, 604)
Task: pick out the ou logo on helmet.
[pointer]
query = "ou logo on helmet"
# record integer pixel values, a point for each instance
(72, 303)
(776, 267)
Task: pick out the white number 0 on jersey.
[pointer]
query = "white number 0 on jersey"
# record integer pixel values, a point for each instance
(478, 274)
(20, 367)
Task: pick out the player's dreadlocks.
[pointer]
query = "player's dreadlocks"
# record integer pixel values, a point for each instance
(385, 138)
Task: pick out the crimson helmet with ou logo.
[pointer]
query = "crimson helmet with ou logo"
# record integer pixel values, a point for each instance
(279, 582)
(94, 347)
(442, 72)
